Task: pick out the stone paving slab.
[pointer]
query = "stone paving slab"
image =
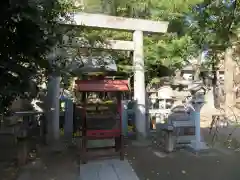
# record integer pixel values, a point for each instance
(111, 169)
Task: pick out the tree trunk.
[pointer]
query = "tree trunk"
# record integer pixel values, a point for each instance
(198, 66)
(229, 68)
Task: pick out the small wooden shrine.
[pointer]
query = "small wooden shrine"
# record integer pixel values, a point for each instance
(101, 112)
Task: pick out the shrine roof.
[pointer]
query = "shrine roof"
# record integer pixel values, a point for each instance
(106, 85)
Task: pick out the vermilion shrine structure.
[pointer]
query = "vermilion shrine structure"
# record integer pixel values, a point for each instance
(138, 27)
(101, 120)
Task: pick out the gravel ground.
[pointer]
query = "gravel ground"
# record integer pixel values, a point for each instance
(52, 166)
(8, 152)
(151, 164)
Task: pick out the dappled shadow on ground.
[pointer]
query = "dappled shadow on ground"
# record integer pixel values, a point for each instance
(153, 164)
(149, 162)
(219, 162)
(52, 165)
(8, 170)
(45, 165)
(8, 154)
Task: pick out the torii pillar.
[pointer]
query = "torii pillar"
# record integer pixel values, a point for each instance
(53, 131)
(52, 108)
(139, 85)
(137, 26)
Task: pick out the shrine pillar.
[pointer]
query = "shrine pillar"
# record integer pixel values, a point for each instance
(139, 84)
(53, 131)
(68, 125)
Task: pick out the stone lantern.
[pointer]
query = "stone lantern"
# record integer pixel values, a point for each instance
(165, 96)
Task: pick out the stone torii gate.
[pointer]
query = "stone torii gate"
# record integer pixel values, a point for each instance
(137, 26)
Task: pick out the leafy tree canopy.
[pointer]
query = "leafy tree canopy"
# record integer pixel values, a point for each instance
(28, 31)
(169, 50)
(214, 25)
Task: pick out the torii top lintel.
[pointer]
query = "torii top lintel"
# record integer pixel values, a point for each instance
(114, 22)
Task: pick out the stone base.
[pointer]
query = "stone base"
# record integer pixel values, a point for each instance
(57, 146)
(142, 143)
(140, 140)
(198, 148)
(100, 143)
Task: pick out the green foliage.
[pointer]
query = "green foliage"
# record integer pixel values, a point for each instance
(170, 50)
(195, 25)
(215, 25)
(28, 31)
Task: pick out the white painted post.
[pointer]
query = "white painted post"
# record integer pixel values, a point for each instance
(197, 120)
(197, 144)
(53, 110)
(139, 84)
